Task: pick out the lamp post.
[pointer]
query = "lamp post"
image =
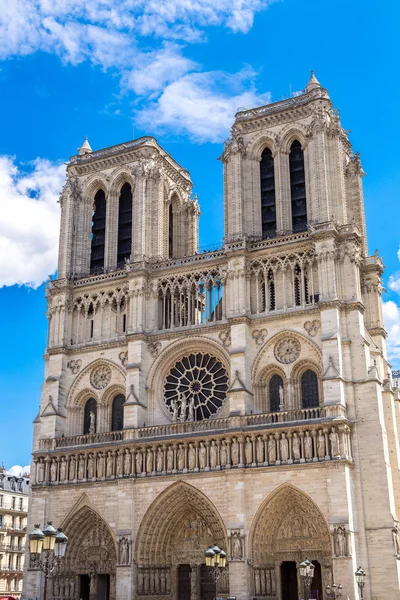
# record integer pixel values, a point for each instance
(216, 560)
(47, 549)
(360, 578)
(333, 592)
(307, 574)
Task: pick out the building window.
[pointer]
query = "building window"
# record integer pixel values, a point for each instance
(90, 417)
(268, 204)
(275, 384)
(1, 520)
(117, 417)
(98, 233)
(309, 390)
(170, 232)
(124, 224)
(13, 502)
(21, 503)
(298, 187)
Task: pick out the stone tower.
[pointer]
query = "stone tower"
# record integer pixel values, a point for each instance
(240, 397)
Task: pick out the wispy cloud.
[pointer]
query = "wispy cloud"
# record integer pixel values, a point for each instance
(18, 471)
(29, 225)
(391, 315)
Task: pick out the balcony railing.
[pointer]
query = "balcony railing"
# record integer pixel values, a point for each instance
(10, 569)
(190, 427)
(12, 507)
(290, 438)
(11, 548)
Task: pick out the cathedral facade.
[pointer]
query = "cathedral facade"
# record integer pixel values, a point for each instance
(240, 397)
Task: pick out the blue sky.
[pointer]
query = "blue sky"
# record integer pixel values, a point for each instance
(177, 70)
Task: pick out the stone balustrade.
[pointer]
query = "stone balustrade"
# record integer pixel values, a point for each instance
(311, 442)
(190, 427)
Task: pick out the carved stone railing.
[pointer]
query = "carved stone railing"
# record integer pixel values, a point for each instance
(259, 446)
(190, 427)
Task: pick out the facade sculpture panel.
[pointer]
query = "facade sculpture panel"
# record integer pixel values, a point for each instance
(240, 397)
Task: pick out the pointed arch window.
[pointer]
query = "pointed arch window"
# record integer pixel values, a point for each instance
(124, 224)
(90, 417)
(268, 204)
(98, 233)
(309, 390)
(298, 187)
(275, 383)
(170, 231)
(117, 416)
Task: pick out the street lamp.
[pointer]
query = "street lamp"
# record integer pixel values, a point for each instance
(360, 578)
(47, 549)
(307, 574)
(216, 560)
(333, 592)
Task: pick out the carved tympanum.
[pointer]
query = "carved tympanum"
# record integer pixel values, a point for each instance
(287, 350)
(100, 377)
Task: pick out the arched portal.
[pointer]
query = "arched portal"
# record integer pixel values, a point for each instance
(175, 531)
(288, 528)
(90, 561)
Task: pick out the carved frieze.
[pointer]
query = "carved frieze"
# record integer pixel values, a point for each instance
(312, 327)
(259, 336)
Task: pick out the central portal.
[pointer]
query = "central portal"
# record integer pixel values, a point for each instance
(184, 585)
(289, 581)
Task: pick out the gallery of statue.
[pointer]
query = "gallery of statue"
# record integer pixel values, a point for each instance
(240, 397)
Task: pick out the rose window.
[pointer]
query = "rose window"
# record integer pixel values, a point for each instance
(287, 350)
(195, 387)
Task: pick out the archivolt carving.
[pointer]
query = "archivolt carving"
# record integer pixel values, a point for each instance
(181, 512)
(83, 380)
(287, 522)
(308, 347)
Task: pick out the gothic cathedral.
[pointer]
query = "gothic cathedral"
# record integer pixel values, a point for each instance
(239, 398)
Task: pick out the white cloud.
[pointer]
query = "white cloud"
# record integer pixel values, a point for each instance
(391, 315)
(29, 225)
(17, 471)
(394, 282)
(202, 105)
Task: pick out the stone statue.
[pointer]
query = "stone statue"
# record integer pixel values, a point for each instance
(284, 448)
(63, 469)
(110, 465)
(53, 470)
(92, 422)
(90, 466)
(41, 471)
(248, 451)
(334, 440)
(396, 540)
(236, 546)
(260, 450)
(72, 468)
(170, 459)
(308, 446)
(181, 457)
(100, 466)
(183, 400)
(213, 454)
(192, 457)
(271, 449)
(124, 551)
(160, 459)
(235, 452)
(139, 462)
(149, 460)
(191, 409)
(296, 447)
(175, 410)
(119, 463)
(81, 467)
(340, 541)
(223, 455)
(202, 456)
(321, 444)
(127, 463)
(72, 588)
(281, 398)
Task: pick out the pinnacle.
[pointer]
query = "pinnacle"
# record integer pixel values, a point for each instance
(313, 83)
(85, 148)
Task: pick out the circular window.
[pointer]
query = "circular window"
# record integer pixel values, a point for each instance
(195, 387)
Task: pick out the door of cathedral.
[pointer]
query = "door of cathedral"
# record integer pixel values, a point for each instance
(207, 584)
(84, 587)
(184, 587)
(103, 587)
(289, 581)
(316, 585)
